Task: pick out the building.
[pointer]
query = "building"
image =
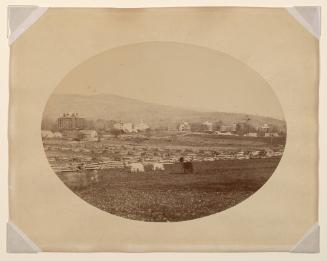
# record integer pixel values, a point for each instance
(271, 134)
(89, 134)
(251, 134)
(207, 126)
(264, 128)
(228, 128)
(57, 135)
(124, 126)
(47, 134)
(70, 121)
(141, 126)
(184, 126)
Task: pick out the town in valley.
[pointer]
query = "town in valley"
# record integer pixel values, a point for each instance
(158, 163)
(72, 143)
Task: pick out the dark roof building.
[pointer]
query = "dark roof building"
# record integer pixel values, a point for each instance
(70, 121)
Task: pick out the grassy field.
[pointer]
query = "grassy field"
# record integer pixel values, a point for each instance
(210, 141)
(170, 195)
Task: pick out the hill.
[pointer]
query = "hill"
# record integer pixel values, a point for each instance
(113, 107)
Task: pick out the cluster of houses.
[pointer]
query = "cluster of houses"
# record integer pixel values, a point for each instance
(184, 127)
(71, 125)
(68, 148)
(128, 127)
(235, 129)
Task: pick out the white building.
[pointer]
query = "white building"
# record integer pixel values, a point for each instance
(265, 128)
(251, 134)
(128, 127)
(47, 134)
(184, 126)
(207, 126)
(141, 127)
(271, 134)
(89, 134)
(57, 135)
(118, 126)
(228, 128)
(124, 126)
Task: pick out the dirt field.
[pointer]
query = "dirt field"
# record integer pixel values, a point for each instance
(170, 195)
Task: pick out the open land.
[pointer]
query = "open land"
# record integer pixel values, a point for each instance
(171, 195)
(225, 173)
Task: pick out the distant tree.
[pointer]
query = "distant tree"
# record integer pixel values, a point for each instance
(217, 125)
(148, 133)
(240, 130)
(109, 124)
(100, 125)
(78, 137)
(89, 124)
(116, 132)
(274, 128)
(261, 133)
(282, 133)
(196, 126)
(99, 137)
(252, 128)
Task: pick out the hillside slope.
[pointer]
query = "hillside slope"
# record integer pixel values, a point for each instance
(113, 107)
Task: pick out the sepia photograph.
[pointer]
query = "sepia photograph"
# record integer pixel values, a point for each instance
(163, 131)
(177, 129)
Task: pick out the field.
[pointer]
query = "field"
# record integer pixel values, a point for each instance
(201, 141)
(170, 195)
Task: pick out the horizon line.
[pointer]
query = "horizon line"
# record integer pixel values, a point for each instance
(201, 110)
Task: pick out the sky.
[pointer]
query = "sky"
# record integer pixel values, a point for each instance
(174, 74)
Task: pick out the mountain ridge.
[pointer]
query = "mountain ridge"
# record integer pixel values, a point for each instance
(115, 107)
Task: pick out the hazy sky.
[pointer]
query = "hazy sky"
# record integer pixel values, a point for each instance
(174, 74)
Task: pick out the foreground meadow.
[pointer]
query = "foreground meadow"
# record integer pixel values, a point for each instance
(171, 195)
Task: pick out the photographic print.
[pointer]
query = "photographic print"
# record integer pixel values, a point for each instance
(163, 131)
(177, 129)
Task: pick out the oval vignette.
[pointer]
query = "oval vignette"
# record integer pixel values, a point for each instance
(163, 131)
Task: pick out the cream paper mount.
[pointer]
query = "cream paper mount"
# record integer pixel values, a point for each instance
(281, 60)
